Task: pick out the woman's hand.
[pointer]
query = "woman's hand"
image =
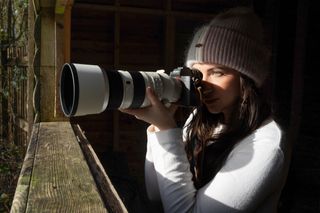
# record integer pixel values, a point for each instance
(156, 114)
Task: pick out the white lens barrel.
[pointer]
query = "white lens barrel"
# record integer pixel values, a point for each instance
(167, 88)
(93, 89)
(128, 89)
(172, 88)
(88, 89)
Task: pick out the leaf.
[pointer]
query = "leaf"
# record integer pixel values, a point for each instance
(4, 197)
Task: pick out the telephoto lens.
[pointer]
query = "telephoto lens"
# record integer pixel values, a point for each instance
(89, 89)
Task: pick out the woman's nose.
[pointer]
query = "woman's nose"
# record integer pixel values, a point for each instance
(205, 78)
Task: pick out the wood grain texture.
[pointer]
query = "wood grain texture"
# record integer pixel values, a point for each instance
(107, 191)
(19, 203)
(60, 180)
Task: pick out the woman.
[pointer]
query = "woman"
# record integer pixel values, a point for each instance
(229, 156)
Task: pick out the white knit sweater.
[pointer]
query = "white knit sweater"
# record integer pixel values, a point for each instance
(251, 179)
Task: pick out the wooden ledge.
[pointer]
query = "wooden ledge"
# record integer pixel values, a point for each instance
(58, 175)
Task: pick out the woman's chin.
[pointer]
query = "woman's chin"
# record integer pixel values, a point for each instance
(213, 110)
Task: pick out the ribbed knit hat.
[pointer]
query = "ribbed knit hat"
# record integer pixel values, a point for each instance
(233, 39)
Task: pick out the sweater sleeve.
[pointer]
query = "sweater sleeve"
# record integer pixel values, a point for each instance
(172, 169)
(243, 182)
(150, 174)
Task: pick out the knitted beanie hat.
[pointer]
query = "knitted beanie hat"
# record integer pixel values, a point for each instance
(233, 39)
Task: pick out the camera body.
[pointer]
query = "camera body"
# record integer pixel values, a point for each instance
(89, 89)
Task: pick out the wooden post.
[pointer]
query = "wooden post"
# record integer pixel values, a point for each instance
(47, 64)
(30, 71)
(48, 57)
(62, 48)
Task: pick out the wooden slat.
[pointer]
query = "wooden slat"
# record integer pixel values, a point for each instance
(55, 176)
(61, 180)
(107, 191)
(136, 10)
(19, 203)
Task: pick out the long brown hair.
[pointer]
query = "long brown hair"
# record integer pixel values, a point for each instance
(208, 151)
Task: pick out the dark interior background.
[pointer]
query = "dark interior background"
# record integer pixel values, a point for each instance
(153, 34)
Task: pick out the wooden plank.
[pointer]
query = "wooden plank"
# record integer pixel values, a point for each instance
(19, 203)
(150, 11)
(61, 180)
(108, 192)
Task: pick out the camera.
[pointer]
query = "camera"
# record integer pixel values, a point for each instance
(89, 89)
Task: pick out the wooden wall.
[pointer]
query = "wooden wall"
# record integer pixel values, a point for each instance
(300, 94)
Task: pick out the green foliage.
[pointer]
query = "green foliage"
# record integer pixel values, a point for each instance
(13, 34)
(11, 158)
(18, 75)
(13, 23)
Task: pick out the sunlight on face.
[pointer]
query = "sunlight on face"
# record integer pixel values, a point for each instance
(221, 87)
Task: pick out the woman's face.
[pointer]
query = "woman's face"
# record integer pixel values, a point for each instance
(221, 88)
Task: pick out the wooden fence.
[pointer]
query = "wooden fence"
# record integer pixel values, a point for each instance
(13, 120)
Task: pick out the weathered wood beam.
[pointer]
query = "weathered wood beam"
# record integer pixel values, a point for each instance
(47, 64)
(107, 191)
(53, 49)
(39, 4)
(55, 175)
(20, 199)
(62, 47)
(146, 11)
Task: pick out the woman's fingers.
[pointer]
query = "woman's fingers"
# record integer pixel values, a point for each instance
(156, 114)
(153, 98)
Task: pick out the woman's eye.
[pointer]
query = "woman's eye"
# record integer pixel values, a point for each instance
(217, 73)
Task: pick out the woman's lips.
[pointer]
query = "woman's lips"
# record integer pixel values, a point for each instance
(208, 96)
